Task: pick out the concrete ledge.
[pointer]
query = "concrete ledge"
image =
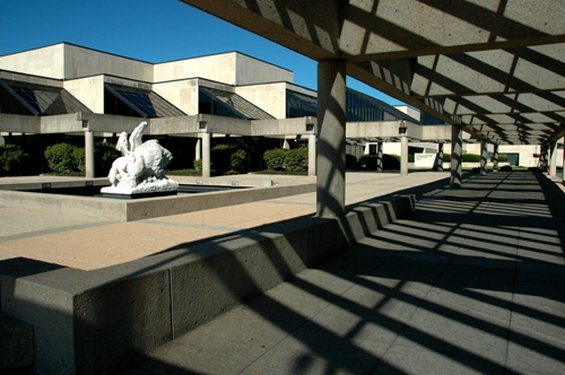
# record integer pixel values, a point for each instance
(131, 210)
(16, 344)
(90, 322)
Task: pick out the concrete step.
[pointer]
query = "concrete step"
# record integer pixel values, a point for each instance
(16, 344)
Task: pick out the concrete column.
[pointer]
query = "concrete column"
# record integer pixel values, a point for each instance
(206, 153)
(543, 157)
(379, 157)
(563, 164)
(495, 158)
(553, 159)
(484, 158)
(311, 154)
(330, 166)
(198, 150)
(367, 149)
(285, 145)
(89, 153)
(403, 155)
(438, 162)
(456, 153)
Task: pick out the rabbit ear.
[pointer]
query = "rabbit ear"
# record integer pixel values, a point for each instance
(122, 144)
(135, 137)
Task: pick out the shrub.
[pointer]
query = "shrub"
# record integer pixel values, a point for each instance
(275, 159)
(14, 161)
(291, 161)
(65, 159)
(238, 161)
(471, 158)
(221, 157)
(228, 159)
(296, 160)
(104, 154)
(351, 162)
(198, 165)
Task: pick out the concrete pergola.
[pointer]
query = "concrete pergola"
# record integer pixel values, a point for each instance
(203, 127)
(493, 70)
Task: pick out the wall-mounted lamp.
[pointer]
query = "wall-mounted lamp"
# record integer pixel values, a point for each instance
(309, 121)
(201, 122)
(402, 128)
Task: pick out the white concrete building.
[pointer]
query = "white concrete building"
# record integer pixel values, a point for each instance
(74, 90)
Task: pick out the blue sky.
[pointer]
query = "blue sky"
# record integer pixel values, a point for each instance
(148, 30)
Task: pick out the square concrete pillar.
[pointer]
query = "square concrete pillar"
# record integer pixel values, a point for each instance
(404, 155)
(379, 156)
(553, 159)
(456, 154)
(484, 158)
(206, 154)
(331, 139)
(89, 153)
(438, 162)
(311, 154)
(495, 158)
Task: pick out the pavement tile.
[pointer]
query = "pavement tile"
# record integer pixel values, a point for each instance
(417, 359)
(453, 332)
(316, 351)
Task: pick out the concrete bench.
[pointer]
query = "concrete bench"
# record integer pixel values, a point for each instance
(91, 322)
(16, 344)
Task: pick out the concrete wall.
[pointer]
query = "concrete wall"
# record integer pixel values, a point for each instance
(251, 71)
(221, 68)
(67, 61)
(138, 209)
(526, 153)
(270, 97)
(182, 93)
(98, 321)
(89, 91)
(46, 61)
(81, 62)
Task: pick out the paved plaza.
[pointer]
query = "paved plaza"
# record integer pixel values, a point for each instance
(86, 242)
(472, 283)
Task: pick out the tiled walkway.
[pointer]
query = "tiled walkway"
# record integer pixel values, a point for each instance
(473, 283)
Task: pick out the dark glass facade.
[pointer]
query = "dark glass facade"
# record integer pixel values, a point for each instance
(360, 107)
(135, 102)
(25, 98)
(228, 104)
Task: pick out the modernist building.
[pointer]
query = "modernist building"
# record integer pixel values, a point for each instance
(65, 88)
(190, 103)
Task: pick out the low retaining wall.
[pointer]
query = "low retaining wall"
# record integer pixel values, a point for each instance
(91, 322)
(137, 209)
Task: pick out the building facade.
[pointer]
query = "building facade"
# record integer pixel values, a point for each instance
(190, 104)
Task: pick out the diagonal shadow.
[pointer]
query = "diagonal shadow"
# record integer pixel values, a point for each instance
(410, 279)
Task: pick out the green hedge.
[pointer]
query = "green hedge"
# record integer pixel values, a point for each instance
(14, 161)
(290, 161)
(65, 159)
(471, 158)
(104, 155)
(227, 158)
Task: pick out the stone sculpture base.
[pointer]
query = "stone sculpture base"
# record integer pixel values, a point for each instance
(148, 188)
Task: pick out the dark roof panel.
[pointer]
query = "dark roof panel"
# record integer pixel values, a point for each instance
(41, 100)
(145, 103)
(225, 103)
